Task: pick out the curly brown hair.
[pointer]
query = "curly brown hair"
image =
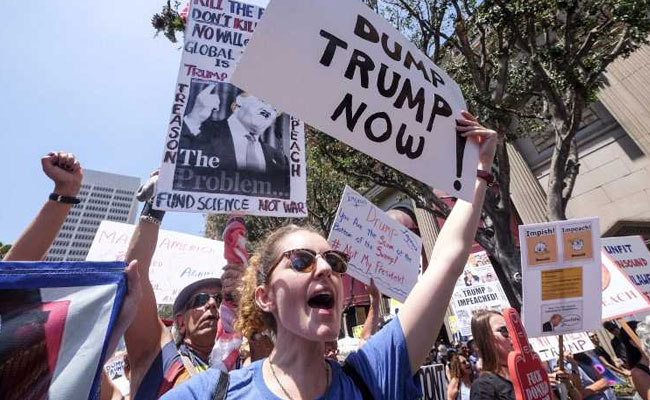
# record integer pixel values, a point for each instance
(250, 318)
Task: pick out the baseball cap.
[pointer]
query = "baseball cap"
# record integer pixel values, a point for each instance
(188, 291)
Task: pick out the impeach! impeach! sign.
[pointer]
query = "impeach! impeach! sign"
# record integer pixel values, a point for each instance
(378, 247)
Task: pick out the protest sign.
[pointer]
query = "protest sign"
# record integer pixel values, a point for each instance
(620, 297)
(529, 377)
(342, 68)
(179, 260)
(433, 382)
(55, 322)
(225, 150)
(378, 246)
(114, 369)
(478, 288)
(631, 255)
(547, 347)
(561, 272)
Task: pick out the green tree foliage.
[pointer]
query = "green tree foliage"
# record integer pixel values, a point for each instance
(168, 21)
(4, 249)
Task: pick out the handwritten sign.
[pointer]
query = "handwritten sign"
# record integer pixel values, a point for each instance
(227, 151)
(478, 288)
(631, 255)
(179, 259)
(620, 297)
(347, 71)
(529, 377)
(561, 274)
(547, 346)
(379, 247)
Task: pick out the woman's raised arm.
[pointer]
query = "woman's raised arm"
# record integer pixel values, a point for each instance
(423, 312)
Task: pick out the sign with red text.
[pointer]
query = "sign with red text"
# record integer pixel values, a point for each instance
(378, 246)
(347, 71)
(227, 151)
(631, 255)
(620, 296)
(547, 347)
(179, 259)
(478, 288)
(528, 375)
(560, 265)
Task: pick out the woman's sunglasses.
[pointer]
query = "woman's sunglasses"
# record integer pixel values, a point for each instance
(504, 332)
(304, 260)
(201, 299)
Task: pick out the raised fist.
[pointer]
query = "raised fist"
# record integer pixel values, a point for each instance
(66, 172)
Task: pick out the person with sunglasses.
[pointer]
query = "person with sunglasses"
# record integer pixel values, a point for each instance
(161, 359)
(493, 343)
(292, 287)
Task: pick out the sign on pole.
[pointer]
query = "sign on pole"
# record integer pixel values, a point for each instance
(179, 259)
(378, 246)
(560, 264)
(620, 297)
(342, 68)
(225, 150)
(478, 288)
(547, 347)
(631, 255)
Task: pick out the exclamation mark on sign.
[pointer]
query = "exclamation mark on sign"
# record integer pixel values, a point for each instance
(460, 152)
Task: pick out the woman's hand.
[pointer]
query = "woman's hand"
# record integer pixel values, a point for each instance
(470, 128)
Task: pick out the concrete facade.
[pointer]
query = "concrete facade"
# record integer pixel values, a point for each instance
(104, 196)
(614, 179)
(614, 152)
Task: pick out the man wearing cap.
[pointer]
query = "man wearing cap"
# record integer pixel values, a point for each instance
(158, 361)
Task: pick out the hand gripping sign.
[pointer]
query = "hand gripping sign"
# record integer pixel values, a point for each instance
(528, 376)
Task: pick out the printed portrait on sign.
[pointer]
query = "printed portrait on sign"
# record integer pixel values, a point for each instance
(30, 335)
(232, 143)
(562, 317)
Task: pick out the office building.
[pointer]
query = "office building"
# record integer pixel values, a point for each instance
(104, 196)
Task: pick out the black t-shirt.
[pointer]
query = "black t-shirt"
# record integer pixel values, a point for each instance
(492, 386)
(600, 352)
(619, 349)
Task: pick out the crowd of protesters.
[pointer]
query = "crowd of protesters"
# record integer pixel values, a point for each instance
(269, 326)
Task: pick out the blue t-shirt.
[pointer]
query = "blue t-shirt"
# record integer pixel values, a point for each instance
(382, 362)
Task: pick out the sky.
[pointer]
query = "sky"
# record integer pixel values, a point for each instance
(87, 77)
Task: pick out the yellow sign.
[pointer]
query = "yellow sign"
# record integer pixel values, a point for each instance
(561, 283)
(356, 331)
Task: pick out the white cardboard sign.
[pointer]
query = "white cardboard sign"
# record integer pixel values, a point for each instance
(631, 255)
(342, 68)
(561, 271)
(379, 247)
(478, 288)
(620, 296)
(179, 259)
(547, 347)
(225, 150)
